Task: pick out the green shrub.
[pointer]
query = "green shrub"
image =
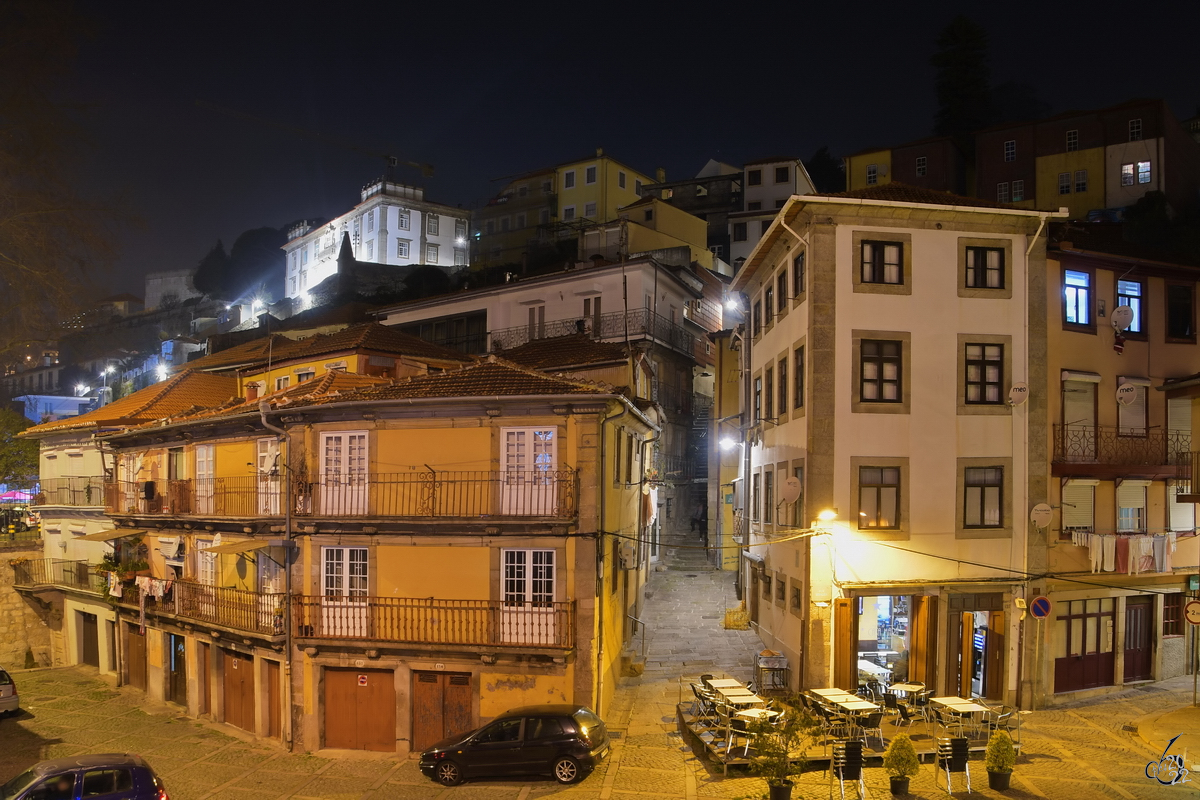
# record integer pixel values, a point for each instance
(1001, 756)
(901, 757)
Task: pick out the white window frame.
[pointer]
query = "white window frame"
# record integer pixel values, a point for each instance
(403, 219)
(568, 213)
(433, 224)
(872, 174)
(1072, 140)
(1135, 129)
(589, 210)
(589, 175)
(1131, 506)
(206, 563)
(403, 248)
(1010, 150)
(569, 179)
(431, 253)
(1018, 191)
(922, 165)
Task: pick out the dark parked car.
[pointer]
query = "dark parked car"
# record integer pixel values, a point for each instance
(111, 776)
(565, 741)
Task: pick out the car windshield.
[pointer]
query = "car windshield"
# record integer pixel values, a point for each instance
(17, 785)
(4, 679)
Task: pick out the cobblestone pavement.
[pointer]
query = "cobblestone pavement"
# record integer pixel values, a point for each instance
(1096, 749)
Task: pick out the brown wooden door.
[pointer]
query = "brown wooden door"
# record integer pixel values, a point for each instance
(204, 677)
(239, 689)
(441, 706)
(1139, 638)
(135, 657)
(922, 636)
(845, 636)
(360, 709)
(176, 670)
(274, 708)
(994, 657)
(89, 633)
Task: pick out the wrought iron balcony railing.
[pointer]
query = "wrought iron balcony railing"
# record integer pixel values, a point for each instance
(72, 491)
(641, 323)
(1187, 466)
(1111, 444)
(58, 572)
(490, 623)
(459, 493)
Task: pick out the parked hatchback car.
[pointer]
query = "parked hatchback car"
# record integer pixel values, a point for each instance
(566, 741)
(9, 701)
(111, 776)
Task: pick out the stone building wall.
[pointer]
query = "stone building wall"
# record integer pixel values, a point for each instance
(26, 625)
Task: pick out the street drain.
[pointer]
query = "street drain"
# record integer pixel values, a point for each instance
(691, 575)
(1129, 728)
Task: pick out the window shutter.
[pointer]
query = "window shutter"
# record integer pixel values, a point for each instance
(1183, 515)
(1179, 414)
(1077, 504)
(1131, 494)
(1079, 404)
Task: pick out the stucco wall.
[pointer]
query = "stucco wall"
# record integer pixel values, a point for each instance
(25, 624)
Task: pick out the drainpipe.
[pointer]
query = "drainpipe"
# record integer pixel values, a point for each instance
(602, 482)
(263, 407)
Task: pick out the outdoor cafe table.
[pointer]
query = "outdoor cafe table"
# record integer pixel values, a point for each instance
(960, 706)
(857, 704)
(756, 713)
(907, 687)
(744, 700)
(831, 692)
(732, 691)
(718, 683)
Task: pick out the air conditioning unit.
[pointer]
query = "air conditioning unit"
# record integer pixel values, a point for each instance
(628, 556)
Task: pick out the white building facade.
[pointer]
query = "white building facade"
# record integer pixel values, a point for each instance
(883, 340)
(767, 186)
(393, 224)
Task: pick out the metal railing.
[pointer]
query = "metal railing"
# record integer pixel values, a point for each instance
(70, 491)
(458, 493)
(1111, 444)
(1186, 466)
(489, 623)
(640, 323)
(239, 609)
(58, 572)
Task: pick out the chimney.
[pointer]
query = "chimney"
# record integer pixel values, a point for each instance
(251, 391)
(660, 175)
(599, 152)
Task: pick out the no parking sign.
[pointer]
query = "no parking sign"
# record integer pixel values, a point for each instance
(1039, 607)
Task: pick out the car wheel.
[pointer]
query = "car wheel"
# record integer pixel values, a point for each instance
(448, 773)
(566, 770)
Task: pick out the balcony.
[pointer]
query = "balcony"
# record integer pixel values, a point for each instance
(640, 323)
(73, 491)
(1097, 449)
(57, 572)
(409, 620)
(425, 494)
(1187, 467)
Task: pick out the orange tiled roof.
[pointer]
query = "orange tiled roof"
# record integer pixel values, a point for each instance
(560, 352)
(331, 383)
(903, 193)
(188, 389)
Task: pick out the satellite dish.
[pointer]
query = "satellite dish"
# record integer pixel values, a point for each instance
(1122, 317)
(791, 490)
(1041, 514)
(1126, 393)
(1018, 394)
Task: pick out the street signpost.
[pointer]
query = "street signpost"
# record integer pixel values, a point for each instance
(1039, 609)
(1191, 612)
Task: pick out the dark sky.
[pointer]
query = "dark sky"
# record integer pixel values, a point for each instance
(487, 90)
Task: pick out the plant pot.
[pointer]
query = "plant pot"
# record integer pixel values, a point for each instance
(780, 791)
(999, 780)
(899, 783)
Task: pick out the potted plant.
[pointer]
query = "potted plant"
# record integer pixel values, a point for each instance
(900, 761)
(781, 749)
(1000, 759)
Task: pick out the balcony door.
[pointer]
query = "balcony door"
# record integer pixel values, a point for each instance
(268, 476)
(344, 595)
(1079, 420)
(528, 613)
(270, 587)
(344, 473)
(205, 478)
(530, 460)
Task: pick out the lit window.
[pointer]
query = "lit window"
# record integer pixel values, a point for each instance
(1129, 293)
(985, 373)
(404, 220)
(879, 497)
(1143, 171)
(370, 221)
(1064, 183)
(982, 490)
(1081, 181)
(1077, 293)
(922, 165)
(1010, 150)
(1072, 141)
(1127, 174)
(1135, 130)
(460, 257)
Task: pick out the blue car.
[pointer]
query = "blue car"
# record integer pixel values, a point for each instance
(111, 776)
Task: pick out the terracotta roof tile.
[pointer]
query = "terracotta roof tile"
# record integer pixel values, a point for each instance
(331, 383)
(186, 390)
(561, 352)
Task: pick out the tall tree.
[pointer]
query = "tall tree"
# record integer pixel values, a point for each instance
(52, 238)
(963, 80)
(828, 173)
(211, 272)
(18, 457)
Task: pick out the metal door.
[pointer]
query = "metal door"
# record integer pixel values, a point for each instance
(530, 461)
(269, 470)
(343, 476)
(89, 639)
(1139, 639)
(441, 706)
(344, 609)
(528, 613)
(239, 689)
(360, 709)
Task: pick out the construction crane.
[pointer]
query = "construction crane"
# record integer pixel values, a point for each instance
(390, 161)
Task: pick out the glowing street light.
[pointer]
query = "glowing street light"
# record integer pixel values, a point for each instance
(81, 389)
(728, 443)
(827, 515)
(162, 372)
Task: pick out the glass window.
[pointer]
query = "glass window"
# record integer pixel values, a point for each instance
(506, 730)
(754, 177)
(769, 303)
(620, 180)
(1135, 130)
(985, 267)
(1072, 141)
(1002, 192)
(431, 254)
(755, 493)
(798, 399)
(1077, 295)
(798, 275)
(872, 174)
(404, 220)
(882, 262)
(783, 385)
(1010, 150)
(106, 781)
(757, 317)
(880, 371)
(402, 248)
(1173, 614)
(781, 293)
(757, 399)
(543, 728)
(1127, 174)
(798, 507)
(1180, 312)
(432, 224)
(57, 787)
(782, 174)
(879, 497)
(1064, 183)
(1018, 191)
(569, 179)
(1081, 181)
(769, 390)
(922, 165)
(1143, 171)
(589, 209)
(589, 175)
(768, 514)
(982, 489)
(739, 231)
(1129, 293)
(985, 373)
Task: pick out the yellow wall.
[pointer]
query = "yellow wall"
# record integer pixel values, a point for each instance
(605, 192)
(500, 691)
(642, 239)
(1048, 169)
(444, 573)
(234, 459)
(355, 363)
(856, 168)
(443, 448)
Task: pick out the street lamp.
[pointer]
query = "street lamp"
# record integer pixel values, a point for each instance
(104, 375)
(80, 389)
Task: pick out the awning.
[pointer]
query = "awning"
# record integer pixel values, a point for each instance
(110, 535)
(237, 547)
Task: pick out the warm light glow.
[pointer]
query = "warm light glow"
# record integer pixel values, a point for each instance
(731, 304)
(827, 514)
(728, 443)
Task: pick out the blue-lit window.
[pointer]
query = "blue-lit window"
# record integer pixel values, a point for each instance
(1077, 293)
(1129, 293)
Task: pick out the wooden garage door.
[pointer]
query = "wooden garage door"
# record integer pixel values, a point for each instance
(239, 689)
(274, 701)
(90, 639)
(441, 706)
(135, 657)
(360, 709)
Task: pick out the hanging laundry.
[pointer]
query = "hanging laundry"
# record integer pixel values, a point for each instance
(1160, 553)
(1171, 542)
(1121, 563)
(1095, 551)
(114, 585)
(1109, 545)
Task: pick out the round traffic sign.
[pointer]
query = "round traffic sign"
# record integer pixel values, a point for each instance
(1039, 607)
(1192, 611)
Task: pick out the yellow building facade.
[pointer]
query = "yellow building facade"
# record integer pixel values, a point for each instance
(1072, 179)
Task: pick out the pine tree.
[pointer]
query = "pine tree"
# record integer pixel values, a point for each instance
(963, 80)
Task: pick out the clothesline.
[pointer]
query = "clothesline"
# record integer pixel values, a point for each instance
(1131, 554)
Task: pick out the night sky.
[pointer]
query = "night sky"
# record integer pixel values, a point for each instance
(484, 92)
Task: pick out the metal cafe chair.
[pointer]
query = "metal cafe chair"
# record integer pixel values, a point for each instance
(872, 723)
(847, 763)
(952, 757)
